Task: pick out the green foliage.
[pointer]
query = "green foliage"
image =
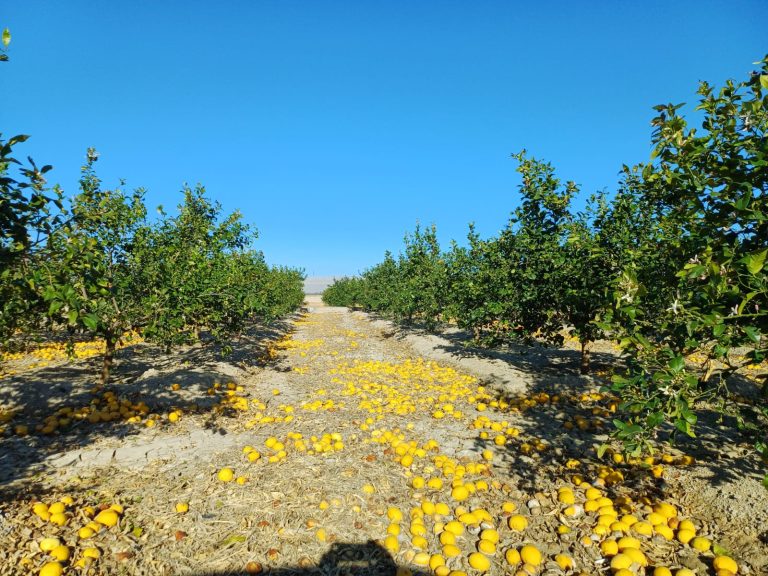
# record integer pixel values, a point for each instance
(708, 192)
(101, 268)
(344, 292)
(29, 212)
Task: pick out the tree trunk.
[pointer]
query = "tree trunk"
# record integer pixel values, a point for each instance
(585, 356)
(109, 355)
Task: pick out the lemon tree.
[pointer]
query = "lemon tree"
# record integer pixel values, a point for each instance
(707, 188)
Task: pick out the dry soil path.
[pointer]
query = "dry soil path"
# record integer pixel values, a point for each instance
(368, 435)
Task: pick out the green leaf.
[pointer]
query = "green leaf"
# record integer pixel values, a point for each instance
(232, 539)
(601, 450)
(72, 316)
(753, 333)
(91, 321)
(6, 37)
(755, 261)
(764, 81)
(676, 364)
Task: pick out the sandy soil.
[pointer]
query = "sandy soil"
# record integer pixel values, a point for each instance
(377, 388)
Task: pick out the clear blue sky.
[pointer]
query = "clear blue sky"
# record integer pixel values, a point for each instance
(336, 126)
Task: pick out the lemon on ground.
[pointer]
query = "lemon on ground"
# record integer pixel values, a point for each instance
(457, 528)
(61, 553)
(435, 561)
(486, 547)
(479, 561)
(85, 532)
(530, 555)
(51, 569)
(620, 561)
(394, 514)
(447, 537)
(685, 536)
(564, 561)
(460, 493)
(451, 551)
(512, 556)
(225, 475)
(182, 507)
(369, 489)
(636, 556)
(59, 519)
(391, 543)
(421, 559)
(725, 563)
(107, 517)
(518, 522)
(48, 544)
(701, 544)
(662, 571)
(56, 508)
(490, 534)
(442, 570)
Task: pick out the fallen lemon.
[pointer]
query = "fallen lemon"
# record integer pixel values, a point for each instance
(226, 475)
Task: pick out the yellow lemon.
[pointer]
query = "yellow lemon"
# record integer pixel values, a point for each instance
(107, 517)
(486, 547)
(564, 561)
(701, 544)
(518, 522)
(460, 493)
(182, 507)
(512, 556)
(725, 563)
(91, 553)
(51, 569)
(48, 544)
(61, 553)
(225, 475)
(530, 555)
(490, 535)
(620, 561)
(479, 562)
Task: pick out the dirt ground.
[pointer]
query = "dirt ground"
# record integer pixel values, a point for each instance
(372, 442)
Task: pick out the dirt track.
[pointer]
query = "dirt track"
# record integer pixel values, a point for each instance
(379, 395)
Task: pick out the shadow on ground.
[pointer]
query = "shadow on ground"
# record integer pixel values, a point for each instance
(342, 559)
(143, 373)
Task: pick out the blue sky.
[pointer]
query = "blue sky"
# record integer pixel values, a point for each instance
(335, 126)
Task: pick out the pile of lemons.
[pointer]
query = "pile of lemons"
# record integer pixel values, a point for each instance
(67, 544)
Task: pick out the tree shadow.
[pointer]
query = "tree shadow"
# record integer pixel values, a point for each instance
(192, 380)
(341, 559)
